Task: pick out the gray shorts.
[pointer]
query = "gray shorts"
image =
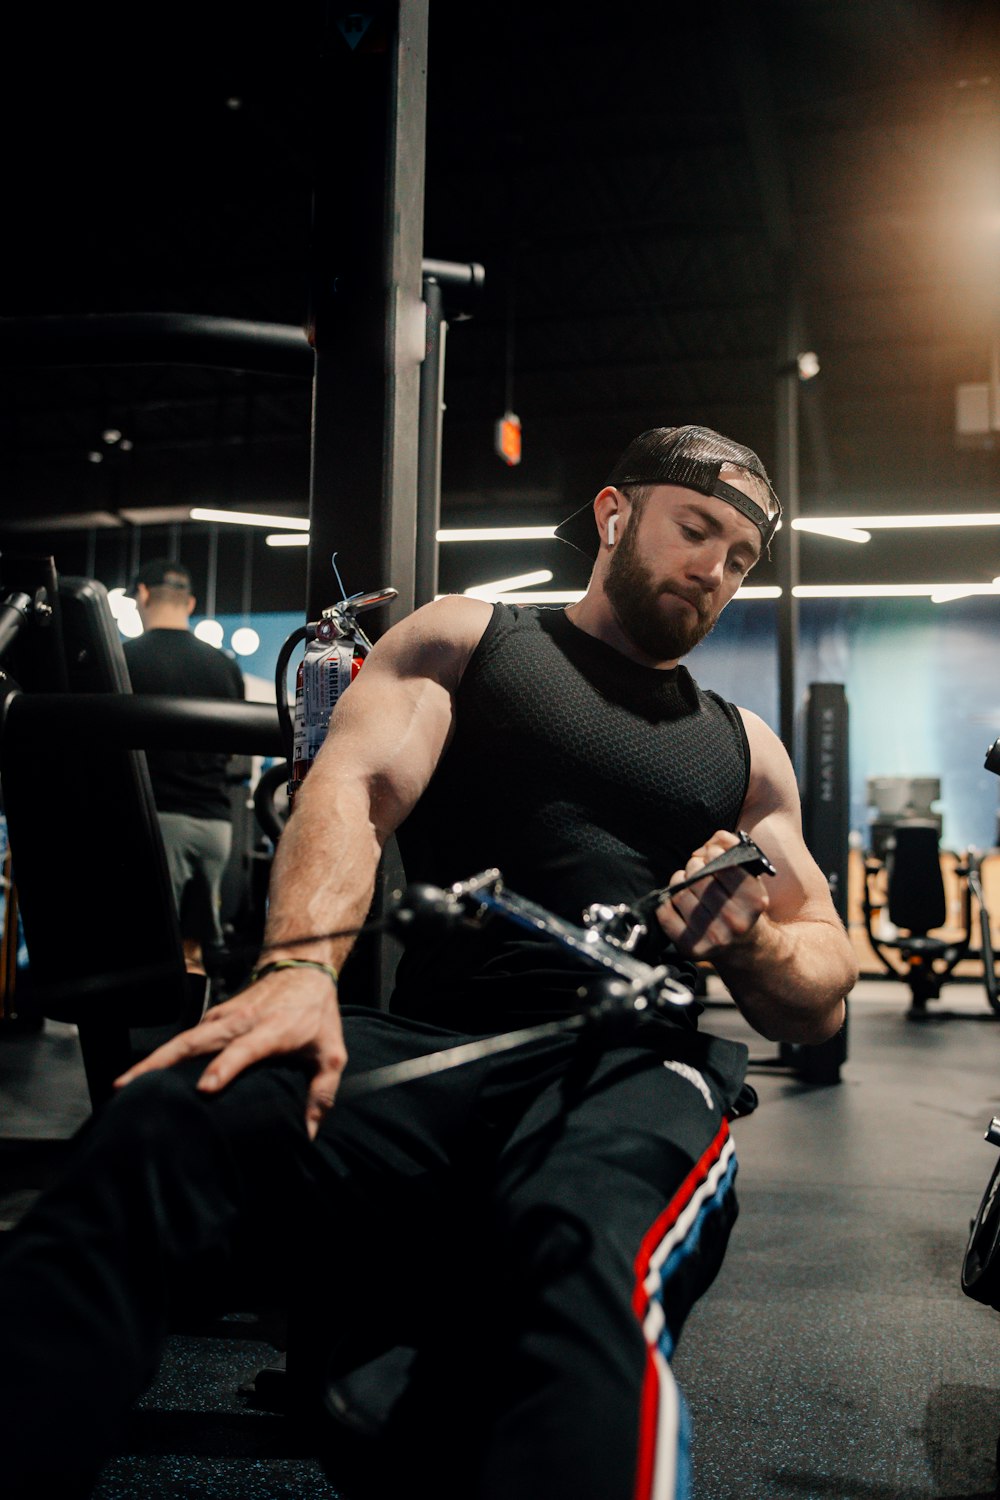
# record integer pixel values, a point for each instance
(197, 854)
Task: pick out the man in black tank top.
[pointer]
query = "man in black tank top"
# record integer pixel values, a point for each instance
(539, 1222)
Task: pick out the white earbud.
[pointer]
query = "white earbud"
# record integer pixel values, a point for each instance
(612, 524)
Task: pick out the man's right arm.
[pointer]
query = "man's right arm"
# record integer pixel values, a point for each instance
(385, 740)
(386, 737)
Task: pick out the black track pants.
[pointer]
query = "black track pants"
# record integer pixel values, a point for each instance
(538, 1225)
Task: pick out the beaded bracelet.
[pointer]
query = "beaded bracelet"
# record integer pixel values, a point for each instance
(295, 963)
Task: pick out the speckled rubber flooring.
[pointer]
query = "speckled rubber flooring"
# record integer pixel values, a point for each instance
(836, 1357)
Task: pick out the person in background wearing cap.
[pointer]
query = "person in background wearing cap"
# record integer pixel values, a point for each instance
(551, 1211)
(190, 787)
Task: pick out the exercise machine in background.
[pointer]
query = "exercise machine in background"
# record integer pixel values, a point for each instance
(88, 859)
(907, 886)
(905, 904)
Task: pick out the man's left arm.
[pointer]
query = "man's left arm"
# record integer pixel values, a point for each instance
(776, 942)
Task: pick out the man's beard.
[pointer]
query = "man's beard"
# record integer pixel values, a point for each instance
(636, 601)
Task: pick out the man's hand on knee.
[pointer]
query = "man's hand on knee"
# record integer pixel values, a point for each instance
(290, 1013)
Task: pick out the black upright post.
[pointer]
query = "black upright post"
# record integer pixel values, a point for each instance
(826, 798)
(431, 424)
(368, 331)
(454, 283)
(787, 485)
(367, 317)
(826, 820)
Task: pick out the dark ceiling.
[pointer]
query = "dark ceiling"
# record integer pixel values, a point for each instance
(643, 184)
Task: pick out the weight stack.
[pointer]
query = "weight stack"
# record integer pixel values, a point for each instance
(826, 819)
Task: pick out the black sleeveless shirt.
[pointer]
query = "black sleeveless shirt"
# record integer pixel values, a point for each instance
(583, 777)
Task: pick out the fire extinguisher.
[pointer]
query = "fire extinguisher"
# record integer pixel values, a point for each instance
(329, 665)
(336, 647)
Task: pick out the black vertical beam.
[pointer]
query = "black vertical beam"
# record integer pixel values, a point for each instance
(750, 77)
(461, 281)
(134, 544)
(367, 327)
(367, 320)
(826, 799)
(787, 542)
(431, 423)
(211, 571)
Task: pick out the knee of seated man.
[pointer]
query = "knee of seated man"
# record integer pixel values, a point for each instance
(261, 1110)
(159, 1106)
(544, 1243)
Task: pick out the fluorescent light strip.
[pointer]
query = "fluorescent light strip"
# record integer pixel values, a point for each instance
(507, 585)
(851, 528)
(249, 518)
(497, 534)
(834, 525)
(939, 593)
(943, 591)
(470, 534)
(534, 596)
(287, 539)
(833, 528)
(950, 591)
(572, 596)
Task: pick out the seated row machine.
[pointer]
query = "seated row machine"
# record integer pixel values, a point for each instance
(916, 907)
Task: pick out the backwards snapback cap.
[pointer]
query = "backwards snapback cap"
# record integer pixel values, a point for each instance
(693, 458)
(162, 573)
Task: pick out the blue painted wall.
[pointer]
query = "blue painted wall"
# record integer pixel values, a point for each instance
(919, 679)
(920, 683)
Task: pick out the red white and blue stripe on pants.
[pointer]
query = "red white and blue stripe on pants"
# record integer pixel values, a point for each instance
(663, 1471)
